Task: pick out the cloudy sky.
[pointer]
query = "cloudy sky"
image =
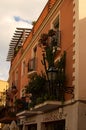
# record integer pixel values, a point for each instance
(15, 13)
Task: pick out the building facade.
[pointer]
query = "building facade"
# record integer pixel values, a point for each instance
(64, 17)
(3, 86)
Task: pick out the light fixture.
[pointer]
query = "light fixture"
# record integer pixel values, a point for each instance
(52, 73)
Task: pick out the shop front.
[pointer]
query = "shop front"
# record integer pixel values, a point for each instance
(54, 125)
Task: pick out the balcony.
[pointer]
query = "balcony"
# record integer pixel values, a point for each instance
(40, 100)
(28, 113)
(48, 89)
(47, 106)
(7, 114)
(39, 109)
(32, 65)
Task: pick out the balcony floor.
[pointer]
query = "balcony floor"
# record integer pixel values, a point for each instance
(39, 109)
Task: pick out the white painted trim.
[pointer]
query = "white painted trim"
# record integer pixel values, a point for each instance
(58, 15)
(76, 49)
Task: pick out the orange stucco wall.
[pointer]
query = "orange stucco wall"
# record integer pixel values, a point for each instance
(65, 11)
(67, 36)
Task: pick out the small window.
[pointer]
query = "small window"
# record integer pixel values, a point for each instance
(23, 68)
(32, 60)
(56, 23)
(58, 33)
(34, 51)
(16, 78)
(32, 64)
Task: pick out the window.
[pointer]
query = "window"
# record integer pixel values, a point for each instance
(56, 23)
(16, 78)
(23, 68)
(56, 27)
(32, 127)
(34, 51)
(32, 64)
(33, 61)
(55, 125)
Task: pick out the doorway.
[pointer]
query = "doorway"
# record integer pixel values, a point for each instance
(32, 127)
(55, 125)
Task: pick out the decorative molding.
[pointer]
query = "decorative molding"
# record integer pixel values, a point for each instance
(75, 48)
(55, 115)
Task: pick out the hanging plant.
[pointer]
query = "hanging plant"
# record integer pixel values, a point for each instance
(37, 88)
(43, 39)
(21, 104)
(51, 32)
(14, 89)
(48, 42)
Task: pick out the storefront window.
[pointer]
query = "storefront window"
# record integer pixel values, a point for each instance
(32, 127)
(55, 125)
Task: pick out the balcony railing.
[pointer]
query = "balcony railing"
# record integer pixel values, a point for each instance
(7, 114)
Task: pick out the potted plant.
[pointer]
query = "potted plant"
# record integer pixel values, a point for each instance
(37, 88)
(43, 39)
